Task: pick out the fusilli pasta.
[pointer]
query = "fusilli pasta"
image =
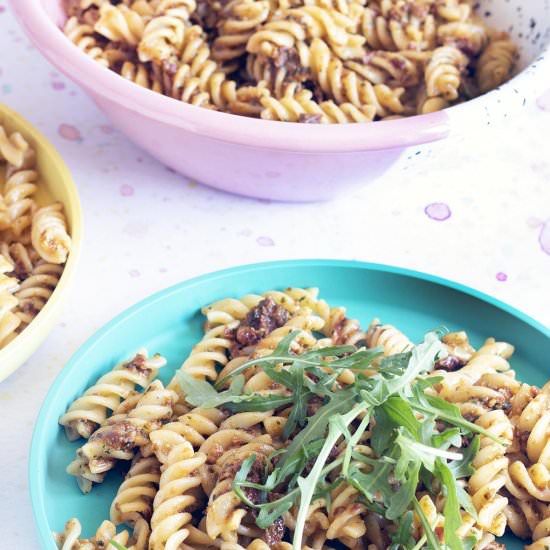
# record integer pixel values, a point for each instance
(301, 430)
(34, 240)
(311, 61)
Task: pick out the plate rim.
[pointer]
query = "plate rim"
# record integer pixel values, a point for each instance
(34, 467)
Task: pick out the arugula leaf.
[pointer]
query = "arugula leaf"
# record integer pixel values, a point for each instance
(403, 538)
(396, 362)
(196, 391)
(432, 405)
(383, 432)
(307, 485)
(333, 357)
(465, 501)
(401, 501)
(268, 515)
(240, 479)
(259, 403)
(451, 437)
(469, 542)
(374, 483)
(401, 414)
(316, 426)
(352, 441)
(424, 453)
(464, 468)
(451, 510)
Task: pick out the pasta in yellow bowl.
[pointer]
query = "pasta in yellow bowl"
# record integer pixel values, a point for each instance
(40, 229)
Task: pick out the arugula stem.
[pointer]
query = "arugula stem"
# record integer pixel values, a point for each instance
(307, 485)
(432, 540)
(463, 423)
(420, 543)
(354, 440)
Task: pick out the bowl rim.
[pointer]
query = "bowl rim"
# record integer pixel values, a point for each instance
(228, 127)
(241, 130)
(24, 345)
(35, 469)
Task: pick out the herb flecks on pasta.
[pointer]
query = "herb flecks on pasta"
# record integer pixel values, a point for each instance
(311, 61)
(289, 426)
(34, 239)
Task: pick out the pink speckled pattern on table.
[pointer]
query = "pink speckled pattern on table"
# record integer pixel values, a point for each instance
(475, 210)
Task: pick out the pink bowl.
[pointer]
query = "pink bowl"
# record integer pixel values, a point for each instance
(264, 159)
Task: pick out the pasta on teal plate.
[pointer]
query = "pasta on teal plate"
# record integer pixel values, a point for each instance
(294, 422)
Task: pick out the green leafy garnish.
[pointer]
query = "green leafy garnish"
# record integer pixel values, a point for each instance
(117, 545)
(413, 437)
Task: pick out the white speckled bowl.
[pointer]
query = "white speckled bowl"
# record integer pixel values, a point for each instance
(278, 160)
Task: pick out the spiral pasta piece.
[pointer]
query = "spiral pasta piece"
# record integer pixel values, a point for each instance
(275, 35)
(541, 533)
(70, 539)
(346, 86)
(489, 478)
(9, 322)
(496, 64)
(13, 148)
(385, 32)
(332, 26)
(208, 354)
(122, 434)
(162, 38)
(228, 310)
(140, 75)
(19, 191)
(194, 427)
(82, 36)
(22, 258)
(346, 516)
(454, 10)
(341, 329)
(197, 69)
(89, 411)
(470, 38)
(134, 498)
(50, 237)
(224, 514)
(238, 21)
(523, 516)
(443, 72)
(389, 338)
(7, 283)
(36, 290)
(120, 24)
(274, 75)
(425, 104)
(393, 69)
(175, 497)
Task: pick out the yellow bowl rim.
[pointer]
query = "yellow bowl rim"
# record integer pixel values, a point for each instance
(23, 346)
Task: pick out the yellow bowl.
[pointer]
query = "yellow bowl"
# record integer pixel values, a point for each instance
(56, 183)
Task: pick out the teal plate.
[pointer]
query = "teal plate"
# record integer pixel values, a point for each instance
(170, 322)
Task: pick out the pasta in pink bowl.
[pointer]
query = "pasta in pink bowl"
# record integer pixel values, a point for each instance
(390, 74)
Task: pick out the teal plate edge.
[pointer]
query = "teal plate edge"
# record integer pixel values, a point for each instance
(39, 433)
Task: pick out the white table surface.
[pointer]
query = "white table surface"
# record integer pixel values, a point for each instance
(147, 228)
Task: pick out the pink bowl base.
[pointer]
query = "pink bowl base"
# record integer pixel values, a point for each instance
(250, 171)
